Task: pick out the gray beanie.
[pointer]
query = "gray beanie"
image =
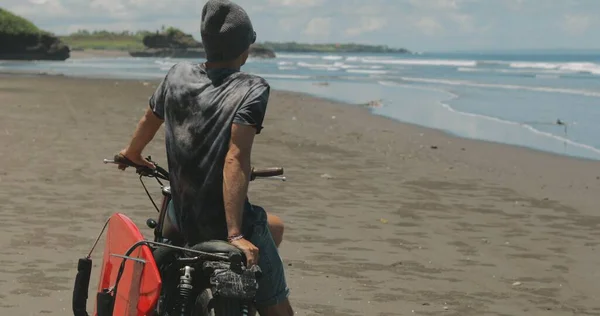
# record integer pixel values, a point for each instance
(226, 30)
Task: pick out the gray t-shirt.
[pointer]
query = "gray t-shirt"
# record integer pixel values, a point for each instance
(199, 106)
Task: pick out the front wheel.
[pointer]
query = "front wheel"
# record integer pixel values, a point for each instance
(207, 305)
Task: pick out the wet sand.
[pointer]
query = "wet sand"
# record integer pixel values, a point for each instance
(383, 218)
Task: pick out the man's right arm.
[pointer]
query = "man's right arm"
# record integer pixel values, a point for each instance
(147, 127)
(247, 122)
(236, 177)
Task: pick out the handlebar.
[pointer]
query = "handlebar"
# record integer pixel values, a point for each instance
(267, 173)
(159, 172)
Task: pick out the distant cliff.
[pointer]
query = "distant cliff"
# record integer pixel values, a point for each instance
(171, 43)
(260, 51)
(176, 44)
(171, 38)
(22, 40)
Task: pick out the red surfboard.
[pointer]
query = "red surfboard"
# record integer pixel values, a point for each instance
(140, 283)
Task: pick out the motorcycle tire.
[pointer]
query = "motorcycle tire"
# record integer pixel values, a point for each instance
(203, 302)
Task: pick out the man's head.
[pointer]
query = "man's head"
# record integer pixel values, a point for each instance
(226, 31)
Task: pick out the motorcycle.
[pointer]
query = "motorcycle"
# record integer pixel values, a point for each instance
(165, 276)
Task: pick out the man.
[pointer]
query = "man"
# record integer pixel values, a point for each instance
(212, 112)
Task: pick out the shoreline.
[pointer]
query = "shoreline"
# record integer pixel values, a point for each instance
(333, 100)
(98, 53)
(475, 126)
(443, 137)
(442, 131)
(382, 217)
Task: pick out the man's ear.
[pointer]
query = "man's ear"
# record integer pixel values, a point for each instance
(245, 56)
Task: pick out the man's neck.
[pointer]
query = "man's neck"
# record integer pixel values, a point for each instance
(219, 65)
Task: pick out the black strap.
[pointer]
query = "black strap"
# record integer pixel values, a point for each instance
(148, 193)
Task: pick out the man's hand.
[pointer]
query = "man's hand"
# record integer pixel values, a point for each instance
(249, 250)
(136, 158)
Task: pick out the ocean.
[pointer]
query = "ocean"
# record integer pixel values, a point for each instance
(544, 101)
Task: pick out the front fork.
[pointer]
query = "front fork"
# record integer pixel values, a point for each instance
(157, 226)
(185, 291)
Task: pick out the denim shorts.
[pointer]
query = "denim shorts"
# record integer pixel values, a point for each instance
(272, 287)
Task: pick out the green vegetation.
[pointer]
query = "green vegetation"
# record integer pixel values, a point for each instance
(22, 40)
(332, 48)
(125, 40)
(14, 24)
(170, 38)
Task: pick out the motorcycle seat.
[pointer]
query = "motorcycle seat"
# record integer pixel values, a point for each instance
(172, 232)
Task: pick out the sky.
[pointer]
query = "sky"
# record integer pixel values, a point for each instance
(419, 25)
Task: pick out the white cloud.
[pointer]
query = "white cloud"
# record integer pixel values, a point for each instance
(435, 4)
(318, 28)
(515, 4)
(296, 3)
(417, 24)
(365, 10)
(433, 17)
(286, 25)
(114, 8)
(464, 21)
(36, 8)
(291, 23)
(367, 24)
(428, 26)
(577, 24)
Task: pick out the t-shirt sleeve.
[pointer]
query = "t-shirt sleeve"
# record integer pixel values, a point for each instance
(252, 111)
(158, 99)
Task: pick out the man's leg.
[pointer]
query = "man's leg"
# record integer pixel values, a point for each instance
(282, 309)
(276, 228)
(272, 296)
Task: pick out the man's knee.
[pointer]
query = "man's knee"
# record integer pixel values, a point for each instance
(276, 227)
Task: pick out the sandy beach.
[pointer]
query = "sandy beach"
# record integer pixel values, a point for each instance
(383, 218)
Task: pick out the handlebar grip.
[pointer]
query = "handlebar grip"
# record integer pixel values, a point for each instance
(158, 172)
(119, 159)
(267, 172)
